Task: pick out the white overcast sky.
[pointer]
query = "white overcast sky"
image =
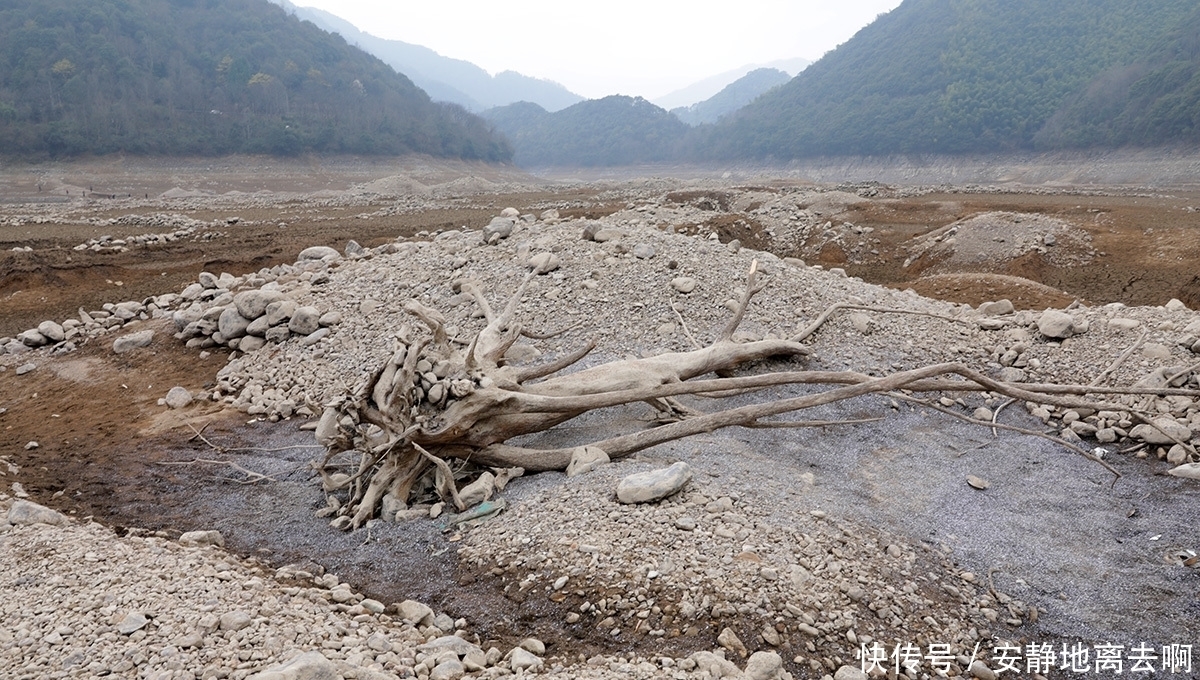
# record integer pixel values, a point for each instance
(632, 47)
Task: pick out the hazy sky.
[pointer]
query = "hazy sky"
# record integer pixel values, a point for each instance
(631, 47)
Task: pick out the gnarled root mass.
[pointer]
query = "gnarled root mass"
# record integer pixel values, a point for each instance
(440, 401)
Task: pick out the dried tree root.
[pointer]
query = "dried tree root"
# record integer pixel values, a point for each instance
(474, 404)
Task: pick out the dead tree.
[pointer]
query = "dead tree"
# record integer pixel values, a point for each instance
(438, 400)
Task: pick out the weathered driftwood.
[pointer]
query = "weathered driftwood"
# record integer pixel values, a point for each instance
(433, 402)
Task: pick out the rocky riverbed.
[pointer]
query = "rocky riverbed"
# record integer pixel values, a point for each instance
(787, 553)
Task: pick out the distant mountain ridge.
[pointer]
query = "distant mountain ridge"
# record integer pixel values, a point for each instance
(444, 78)
(176, 77)
(735, 95)
(709, 87)
(615, 130)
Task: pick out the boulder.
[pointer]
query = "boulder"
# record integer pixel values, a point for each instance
(232, 324)
(251, 343)
(307, 666)
(498, 228)
(544, 263)
(28, 512)
(51, 331)
(178, 397)
(32, 338)
(585, 459)
(764, 666)
(644, 487)
(202, 538)
(317, 253)
(997, 308)
(252, 304)
(417, 612)
(1055, 324)
(305, 320)
(353, 249)
(278, 312)
(128, 343)
(1164, 428)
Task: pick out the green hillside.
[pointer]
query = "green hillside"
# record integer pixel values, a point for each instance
(207, 77)
(1153, 101)
(948, 76)
(615, 130)
(732, 97)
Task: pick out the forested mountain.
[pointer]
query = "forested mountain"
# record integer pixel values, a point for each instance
(615, 130)
(733, 97)
(956, 76)
(208, 77)
(1152, 101)
(444, 78)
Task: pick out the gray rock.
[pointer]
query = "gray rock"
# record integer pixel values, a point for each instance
(549, 215)
(447, 643)
(683, 284)
(544, 263)
(533, 646)
(32, 338)
(280, 311)
(25, 368)
(235, 620)
(192, 292)
(997, 308)
(315, 337)
(251, 343)
(207, 279)
(521, 659)
(416, 612)
(1154, 350)
(498, 228)
(16, 347)
(202, 538)
(51, 331)
(330, 318)
(1167, 427)
(644, 487)
(307, 666)
(849, 673)
(252, 304)
(1055, 324)
(127, 311)
(178, 397)
(318, 253)
(132, 623)
(128, 343)
(478, 491)
(644, 251)
(28, 512)
(729, 640)
(278, 334)
(764, 666)
(259, 327)
(714, 665)
(305, 320)
(585, 459)
(1010, 374)
(353, 249)
(232, 324)
(450, 669)
(978, 669)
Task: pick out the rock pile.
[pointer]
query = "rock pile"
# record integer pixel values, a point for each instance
(146, 606)
(67, 335)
